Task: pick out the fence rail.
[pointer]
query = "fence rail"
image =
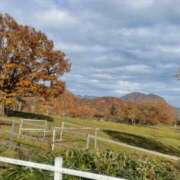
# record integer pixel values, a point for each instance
(132, 147)
(57, 169)
(74, 130)
(35, 127)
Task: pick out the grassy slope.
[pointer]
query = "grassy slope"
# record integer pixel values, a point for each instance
(163, 139)
(163, 133)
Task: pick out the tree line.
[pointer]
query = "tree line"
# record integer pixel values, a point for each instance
(105, 108)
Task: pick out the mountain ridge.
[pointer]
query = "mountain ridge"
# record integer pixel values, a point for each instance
(142, 97)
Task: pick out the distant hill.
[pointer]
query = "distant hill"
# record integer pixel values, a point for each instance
(141, 97)
(108, 108)
(86, 97)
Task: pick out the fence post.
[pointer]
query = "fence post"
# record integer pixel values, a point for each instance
(95, 138)
(62, 129)
(20, 128)
(12, 130)
(58, 168)
(45, 128)
(87, 141)
(53, 138)
(11, 133)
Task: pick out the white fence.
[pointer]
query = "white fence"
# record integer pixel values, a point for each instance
(57, 169)
(171, 157)
(76, 130)
(42, 127)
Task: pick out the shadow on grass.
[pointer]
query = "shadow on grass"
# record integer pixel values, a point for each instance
(143, 142)
(27, 115)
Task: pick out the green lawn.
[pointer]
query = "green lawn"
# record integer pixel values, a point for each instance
(162, 138)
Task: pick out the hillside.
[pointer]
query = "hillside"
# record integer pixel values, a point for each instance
(136, 107)
(34, 147)
(141, 97)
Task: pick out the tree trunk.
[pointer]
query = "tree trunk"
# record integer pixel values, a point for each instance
(33, 108)
(47, 111)
(133, 121)
(20, 106)
(2, 109)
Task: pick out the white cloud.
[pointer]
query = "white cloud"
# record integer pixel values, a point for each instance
(169, 49)
(139, 68)
(140, 4)
(115, 46)
(127, 86)
(54, 18)
(77, 48)
(102, 76)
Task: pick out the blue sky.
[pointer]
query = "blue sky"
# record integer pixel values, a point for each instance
(115, 46)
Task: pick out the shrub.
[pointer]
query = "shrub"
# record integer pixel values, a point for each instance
(107, 162)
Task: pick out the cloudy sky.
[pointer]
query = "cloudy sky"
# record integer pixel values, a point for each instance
(115, 46)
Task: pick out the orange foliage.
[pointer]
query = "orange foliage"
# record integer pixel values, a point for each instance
(107, 108)
(29, 65)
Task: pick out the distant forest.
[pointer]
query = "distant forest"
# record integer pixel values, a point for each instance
(142, 110)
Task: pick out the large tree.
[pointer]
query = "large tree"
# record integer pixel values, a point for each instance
(29, 64)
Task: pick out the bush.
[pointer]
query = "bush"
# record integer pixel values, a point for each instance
(120, 165)
(108, 162)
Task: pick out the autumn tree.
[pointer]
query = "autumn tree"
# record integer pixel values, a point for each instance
(155, 113)
(113, 110)
(29, 64)
(131, 112)
(149, 114)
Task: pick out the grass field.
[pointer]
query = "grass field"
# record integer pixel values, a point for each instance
(161, 139)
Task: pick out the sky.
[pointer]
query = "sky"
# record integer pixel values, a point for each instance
(115, 46)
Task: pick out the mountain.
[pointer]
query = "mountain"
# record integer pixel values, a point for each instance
(86, 97)
(141, 97)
